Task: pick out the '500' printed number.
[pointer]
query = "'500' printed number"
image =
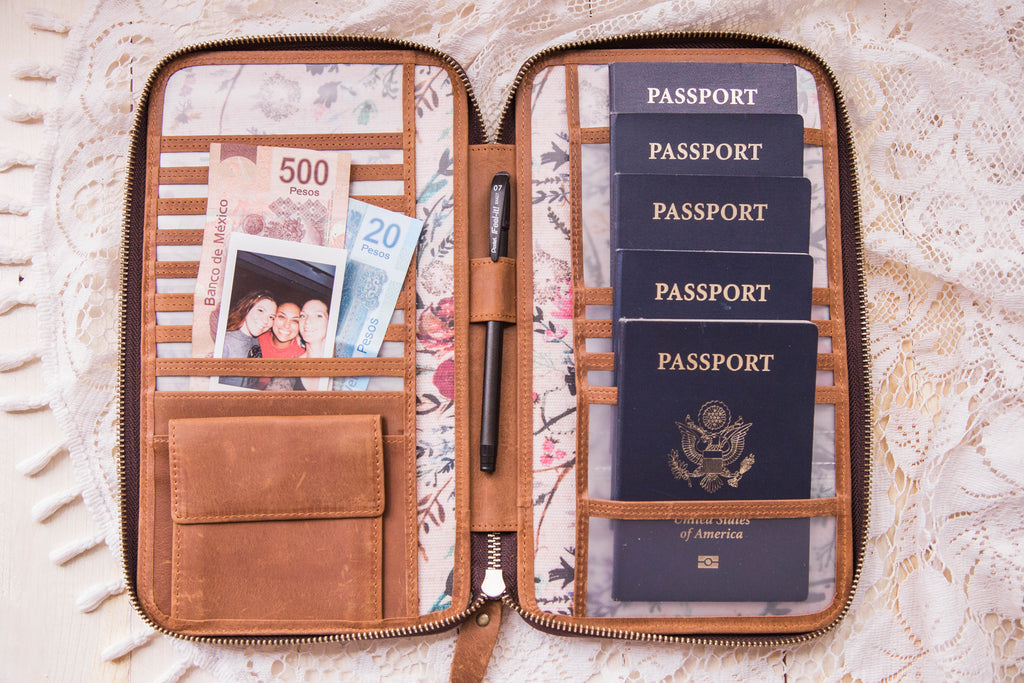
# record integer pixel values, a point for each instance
(304, 171)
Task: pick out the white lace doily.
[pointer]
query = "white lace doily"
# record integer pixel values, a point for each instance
(935, 93)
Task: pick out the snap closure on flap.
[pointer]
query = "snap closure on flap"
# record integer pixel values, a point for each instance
(275, 468)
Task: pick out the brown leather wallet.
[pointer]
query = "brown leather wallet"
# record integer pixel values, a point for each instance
(294, 515)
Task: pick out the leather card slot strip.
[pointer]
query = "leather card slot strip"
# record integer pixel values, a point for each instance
(826, 328)
(601, 135)
(196, 206)
(183, 333)
(187, 206)
(595, 329)
(821, 296)
(704, 509)
(334, 141)
(199, 175)
(163, 303)
(596, 361)
(826, 361)
(607, 396)
(580, 470)
(596, 296)
(833, 394)
(285, 367)
(170, 405)
(166, 303)
(179, 237)
(492, 290)
(276, 467)
(176, 269)
(164, 334)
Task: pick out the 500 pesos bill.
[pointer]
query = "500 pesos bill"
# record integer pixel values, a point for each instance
(380, 245)
(298, 195)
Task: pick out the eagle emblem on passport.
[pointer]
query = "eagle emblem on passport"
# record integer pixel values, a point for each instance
(713, 444)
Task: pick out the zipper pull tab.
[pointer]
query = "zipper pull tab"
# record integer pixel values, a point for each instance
(494, 583)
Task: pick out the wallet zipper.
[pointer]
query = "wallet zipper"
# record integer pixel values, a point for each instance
(493, 586)
(844, 131)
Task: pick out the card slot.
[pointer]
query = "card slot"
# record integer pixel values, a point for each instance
(594, 329)
(199, 175)
(390, 405)
(168, 334)
(597, 361)
(827, 328)
(183, 333)
(333, 141)
(596, 296)
(188, 206)
(832, 394)
(280, 367)
(821, 296)
(182, 237)
(179, 301)
(797, 508)
(196, 206)
(176, 270)
(607, 396)
(599, 135)
(172, 302)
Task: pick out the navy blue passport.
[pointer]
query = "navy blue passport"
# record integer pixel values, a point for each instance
(653, 211)
(713, 285)
(713, 410)
(711, 560)
(702, 87)
(708, 144)
(730, 402)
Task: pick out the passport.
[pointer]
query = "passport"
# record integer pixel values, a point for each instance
(713, 410)
(708, 144)
(654, 211)
(700, 87)
(713, 285)
(711, 560)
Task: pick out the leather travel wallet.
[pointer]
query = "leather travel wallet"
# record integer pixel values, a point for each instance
(299, 515)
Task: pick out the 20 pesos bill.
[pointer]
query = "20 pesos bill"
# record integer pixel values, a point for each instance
(380, 245)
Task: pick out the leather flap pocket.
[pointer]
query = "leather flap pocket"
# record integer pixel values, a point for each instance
(277, 523)
(276, 468)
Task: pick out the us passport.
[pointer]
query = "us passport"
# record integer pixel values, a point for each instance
(702, 87)
(742, 213)
(713, 285)
(708, 144)
(713, 410)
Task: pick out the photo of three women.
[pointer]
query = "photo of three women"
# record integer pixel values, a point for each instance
(260, 327)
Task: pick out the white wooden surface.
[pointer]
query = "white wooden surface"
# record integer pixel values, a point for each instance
(43, 637)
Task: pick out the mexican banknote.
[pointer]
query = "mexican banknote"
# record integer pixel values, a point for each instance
(380, 245)
(299, 195)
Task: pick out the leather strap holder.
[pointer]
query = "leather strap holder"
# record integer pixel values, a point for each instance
(475, 644)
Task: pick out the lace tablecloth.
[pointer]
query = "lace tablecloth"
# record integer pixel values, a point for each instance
(935, 92)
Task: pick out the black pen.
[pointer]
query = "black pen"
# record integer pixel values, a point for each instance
(498, 219)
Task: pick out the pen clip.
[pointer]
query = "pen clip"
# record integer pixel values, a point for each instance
(498, 215)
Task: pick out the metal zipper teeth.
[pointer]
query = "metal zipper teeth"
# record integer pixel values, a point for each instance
(844, 130)
(138, 130)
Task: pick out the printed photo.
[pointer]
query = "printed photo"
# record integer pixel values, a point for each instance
(279, 300)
